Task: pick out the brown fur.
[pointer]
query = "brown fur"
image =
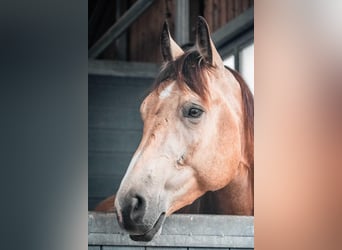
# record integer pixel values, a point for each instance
(189, 68)
(221, 201)
(213, 160)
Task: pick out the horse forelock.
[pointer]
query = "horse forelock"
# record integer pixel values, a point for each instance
(188, 70)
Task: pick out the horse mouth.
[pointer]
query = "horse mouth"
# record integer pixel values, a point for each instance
(148, 236)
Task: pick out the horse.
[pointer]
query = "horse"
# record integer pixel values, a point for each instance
(196, 154)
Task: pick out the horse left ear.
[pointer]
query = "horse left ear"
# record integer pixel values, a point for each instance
(205, 44)
(169, 48)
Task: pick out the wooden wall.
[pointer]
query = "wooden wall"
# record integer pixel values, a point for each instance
(144, 34)
(220, 12)
(141, 42)
(114, 131)
(179, 232)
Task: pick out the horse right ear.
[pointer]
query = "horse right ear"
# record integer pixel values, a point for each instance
(205, 44)
(169, 48)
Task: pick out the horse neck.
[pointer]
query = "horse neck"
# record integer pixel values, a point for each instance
(236, 198)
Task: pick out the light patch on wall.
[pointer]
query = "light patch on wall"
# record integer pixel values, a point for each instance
(246, 57)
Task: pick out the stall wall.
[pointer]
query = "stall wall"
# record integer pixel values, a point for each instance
(114, 131)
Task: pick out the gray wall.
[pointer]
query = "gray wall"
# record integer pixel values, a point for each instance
(115, 130)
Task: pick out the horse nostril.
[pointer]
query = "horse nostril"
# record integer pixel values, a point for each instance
(138, 202)
(131, 210)
(138, 207)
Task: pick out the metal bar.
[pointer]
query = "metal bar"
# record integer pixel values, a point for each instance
(182, 22)
(230, 46)
(234, 28)
(119, 27)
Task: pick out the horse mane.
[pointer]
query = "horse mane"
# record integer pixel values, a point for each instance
(248, 116)
(190, 68)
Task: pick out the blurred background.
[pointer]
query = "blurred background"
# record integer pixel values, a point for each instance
(45, 67)
(124, 58)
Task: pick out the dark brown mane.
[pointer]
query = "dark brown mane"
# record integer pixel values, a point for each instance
(189, 68)
(248, 113)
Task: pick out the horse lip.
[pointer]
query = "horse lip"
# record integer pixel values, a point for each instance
(148, 236)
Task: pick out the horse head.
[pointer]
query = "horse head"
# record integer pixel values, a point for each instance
(192, 138)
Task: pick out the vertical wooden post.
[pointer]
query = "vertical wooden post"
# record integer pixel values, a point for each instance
(182, 22)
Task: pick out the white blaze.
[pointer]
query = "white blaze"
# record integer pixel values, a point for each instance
(166, 92)
(131, 166)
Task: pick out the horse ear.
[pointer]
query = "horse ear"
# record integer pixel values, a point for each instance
(205, 44)
(169, 48)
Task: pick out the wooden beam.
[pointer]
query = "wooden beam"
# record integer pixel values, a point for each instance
(182, 22)
(122, 68)
(179, 230)
(234, 28)
(119, 27)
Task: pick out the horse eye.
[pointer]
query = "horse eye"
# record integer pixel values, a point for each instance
(195, 112)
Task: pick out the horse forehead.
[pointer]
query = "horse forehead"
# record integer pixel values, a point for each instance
(167, 91)
(166, 96)
(161, 102)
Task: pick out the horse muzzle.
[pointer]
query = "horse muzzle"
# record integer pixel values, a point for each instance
(135, 218)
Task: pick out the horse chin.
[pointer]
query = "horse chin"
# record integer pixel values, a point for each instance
(148, 236)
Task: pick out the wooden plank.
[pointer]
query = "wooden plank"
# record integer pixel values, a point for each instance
(122, 68)
(113, 140)
(128, 93)
(114, 118)
(208, 10)
(245, 5)
(195, 11)
(238, 7)
(234, 28)
(114, 130)
(229, 225)
(103, 186)
(223, 14)
(174, 240)
(166, 248)
(208, 248)
(144, 42)
(215, 15)
(122, 248)
(181, 224)
(100, 163)
(119, 27)
(179, 231)
(103, 223)
(94, 248)
(250, 3)
(230, 10)
(241, 248)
